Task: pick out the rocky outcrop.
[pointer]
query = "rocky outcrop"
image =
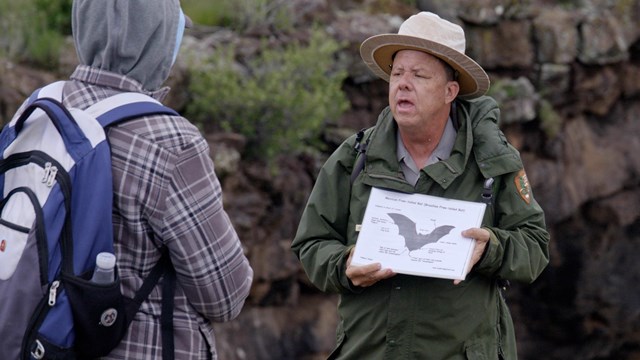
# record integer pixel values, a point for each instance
(566, 78)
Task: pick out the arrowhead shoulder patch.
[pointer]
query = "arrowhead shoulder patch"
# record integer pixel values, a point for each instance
(523, 187)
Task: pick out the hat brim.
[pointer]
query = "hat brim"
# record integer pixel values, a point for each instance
(377, 53)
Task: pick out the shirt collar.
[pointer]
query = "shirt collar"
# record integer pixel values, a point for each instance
(441, 152)
(110, 79)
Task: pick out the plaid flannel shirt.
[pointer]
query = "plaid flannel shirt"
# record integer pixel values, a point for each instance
(166, 193)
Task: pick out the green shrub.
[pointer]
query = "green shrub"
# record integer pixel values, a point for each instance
(207, 12)
(11, 23)
(240, 15)
(263, 14)
(55, 15)
(33, 31)
(279, 101)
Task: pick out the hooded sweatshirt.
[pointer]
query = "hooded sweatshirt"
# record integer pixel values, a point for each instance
(127, 37)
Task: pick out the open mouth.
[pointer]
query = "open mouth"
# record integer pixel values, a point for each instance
(403, 103)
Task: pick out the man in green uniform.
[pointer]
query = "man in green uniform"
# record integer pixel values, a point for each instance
(439, 136)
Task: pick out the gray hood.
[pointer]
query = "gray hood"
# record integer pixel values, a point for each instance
(135, 38)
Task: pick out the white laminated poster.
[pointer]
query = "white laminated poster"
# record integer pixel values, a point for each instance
(417, 234)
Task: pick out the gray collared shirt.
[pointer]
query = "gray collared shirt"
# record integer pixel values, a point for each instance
(441, 152)
(166, 192)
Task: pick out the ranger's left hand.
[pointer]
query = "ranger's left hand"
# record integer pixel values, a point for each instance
(481, 236)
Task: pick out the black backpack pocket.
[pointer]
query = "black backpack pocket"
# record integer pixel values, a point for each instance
(99, 314)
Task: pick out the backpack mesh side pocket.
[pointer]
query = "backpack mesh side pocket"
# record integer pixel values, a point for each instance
(99, 314)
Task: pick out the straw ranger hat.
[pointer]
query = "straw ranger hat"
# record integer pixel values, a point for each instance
(431, 34)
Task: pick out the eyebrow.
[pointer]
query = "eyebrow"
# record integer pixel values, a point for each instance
(416, 68)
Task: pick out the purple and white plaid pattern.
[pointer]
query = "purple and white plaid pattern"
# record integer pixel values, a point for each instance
(167, 193)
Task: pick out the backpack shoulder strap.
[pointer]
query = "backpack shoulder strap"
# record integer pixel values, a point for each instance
(112, 110)
(72, 134)
(361, 152)
(162, 267)
(126, 106)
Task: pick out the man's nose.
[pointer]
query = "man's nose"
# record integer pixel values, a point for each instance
(404, 81)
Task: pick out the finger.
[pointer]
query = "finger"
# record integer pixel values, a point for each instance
(360, 271)
(471, 233)
(368, 269)
(360, 277)
(384, 274)
(373, 278)
(477, 234)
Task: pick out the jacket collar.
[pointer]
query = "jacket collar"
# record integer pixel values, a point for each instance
(383, 169)
(488, 145)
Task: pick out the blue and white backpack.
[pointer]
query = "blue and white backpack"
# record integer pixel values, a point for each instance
(55, 217)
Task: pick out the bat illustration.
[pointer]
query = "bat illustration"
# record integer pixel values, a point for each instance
(412, 239)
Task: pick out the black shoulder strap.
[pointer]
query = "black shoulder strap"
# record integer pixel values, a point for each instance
(488, 198)
(487, 192)
(164, 266)
(361, 155)
(166, 319)
(454, 115)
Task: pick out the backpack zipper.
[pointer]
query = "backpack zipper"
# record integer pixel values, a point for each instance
(52, 171)
(40, 233)
(53, 293)
(31, 343)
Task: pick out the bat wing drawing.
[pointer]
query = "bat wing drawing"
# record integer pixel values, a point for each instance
(412, 239)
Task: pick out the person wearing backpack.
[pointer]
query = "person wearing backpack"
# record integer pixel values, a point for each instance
(167, 197)
(439, 136)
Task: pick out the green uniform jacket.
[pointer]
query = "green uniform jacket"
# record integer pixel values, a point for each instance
(412, 317)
